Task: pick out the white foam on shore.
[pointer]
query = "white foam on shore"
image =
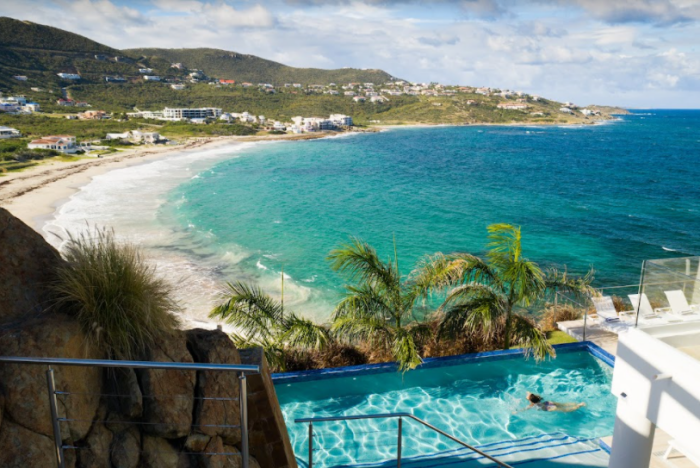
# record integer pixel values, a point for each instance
(128, 200)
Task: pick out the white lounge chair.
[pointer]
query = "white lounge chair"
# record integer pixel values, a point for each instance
(683, 450)
(644, 307)
(605, 308)
(678, 302)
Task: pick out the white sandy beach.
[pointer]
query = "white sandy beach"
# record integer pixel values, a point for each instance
(44, 197)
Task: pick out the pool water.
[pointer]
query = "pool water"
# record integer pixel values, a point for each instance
(474, 402)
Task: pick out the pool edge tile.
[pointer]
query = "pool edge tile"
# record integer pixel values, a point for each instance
(428, 363)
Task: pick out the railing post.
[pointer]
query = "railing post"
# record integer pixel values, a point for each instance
(243, 403)
(311, 444)
(398, 449)
(53, 403)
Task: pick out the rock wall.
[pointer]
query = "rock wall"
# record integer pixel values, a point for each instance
(119, 418)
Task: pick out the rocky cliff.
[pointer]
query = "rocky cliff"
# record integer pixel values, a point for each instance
(119, 418)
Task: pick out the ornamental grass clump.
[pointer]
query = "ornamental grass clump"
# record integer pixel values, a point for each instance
(119, 302)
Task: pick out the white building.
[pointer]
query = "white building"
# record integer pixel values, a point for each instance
(151, 78)
(341, 120)
(512, 106)
(177, 87)
(359, 99)
(62, 143)
(136, 136)
(189, 114)
(145, 71)
(378, 99)
(69, 76)
(566, 110)
(9, 132)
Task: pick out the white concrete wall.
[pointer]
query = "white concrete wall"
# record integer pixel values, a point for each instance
(672, 404)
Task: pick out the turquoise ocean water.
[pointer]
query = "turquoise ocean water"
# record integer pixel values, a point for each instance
(607, 196)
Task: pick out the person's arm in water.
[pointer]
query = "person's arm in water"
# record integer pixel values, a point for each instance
(524, 409)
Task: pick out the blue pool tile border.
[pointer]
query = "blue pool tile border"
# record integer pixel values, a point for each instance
(604, 446)
(429, 363)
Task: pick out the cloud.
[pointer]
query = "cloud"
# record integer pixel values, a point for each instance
(438, 40)
(658, 12)
(224, 15)
(484, 9)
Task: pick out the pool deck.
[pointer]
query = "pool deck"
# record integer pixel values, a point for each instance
(602, 338)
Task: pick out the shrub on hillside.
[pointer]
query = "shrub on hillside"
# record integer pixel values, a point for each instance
(560, 313)
(120, 303)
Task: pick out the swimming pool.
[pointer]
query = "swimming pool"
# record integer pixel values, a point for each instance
(474, 401)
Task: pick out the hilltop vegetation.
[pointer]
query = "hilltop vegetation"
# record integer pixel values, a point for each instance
(242, 67)
(40, 52)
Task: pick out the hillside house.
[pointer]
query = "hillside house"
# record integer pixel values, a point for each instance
(92, 115)
(151, 78)
(20, 77)
(9, 132)
(69, 76)
(145, 71)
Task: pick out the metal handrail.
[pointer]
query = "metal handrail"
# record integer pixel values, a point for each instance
(241, 369)
(311, 421)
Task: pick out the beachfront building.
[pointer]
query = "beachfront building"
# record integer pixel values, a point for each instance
(69, 76)
(62, 143)
(191, 113)
(136, 136)
(9, 132)
(341, 120)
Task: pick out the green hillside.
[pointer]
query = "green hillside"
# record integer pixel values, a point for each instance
(40, 52)
(240, 67)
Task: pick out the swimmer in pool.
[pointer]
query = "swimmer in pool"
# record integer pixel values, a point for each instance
(538, 402)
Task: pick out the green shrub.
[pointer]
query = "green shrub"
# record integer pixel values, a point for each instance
(121, 305)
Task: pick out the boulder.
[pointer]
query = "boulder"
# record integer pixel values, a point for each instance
(95, 452)
(159, 453)
(215, 414)
(126, 448)
(27, 265)
(168, 394)
(20, 447)
(197, 442)
(123, 382)
(220, 455)
(24, 386)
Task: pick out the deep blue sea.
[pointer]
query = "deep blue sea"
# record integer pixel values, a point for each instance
(606, 196)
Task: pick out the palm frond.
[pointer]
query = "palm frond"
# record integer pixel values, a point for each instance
(526, 334)
(364, 299)
(479, 308)
(405, 351)
(359, 328)
(254, 313)
(439, 271)
(360, 262)
(579, 286)
(525, 279)
(304, 333)
(505, 244)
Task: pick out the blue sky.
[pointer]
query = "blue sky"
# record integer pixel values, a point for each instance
(636, 53)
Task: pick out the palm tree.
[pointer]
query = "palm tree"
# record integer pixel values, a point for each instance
(262, 321)
(493, 293)
(379, 309)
